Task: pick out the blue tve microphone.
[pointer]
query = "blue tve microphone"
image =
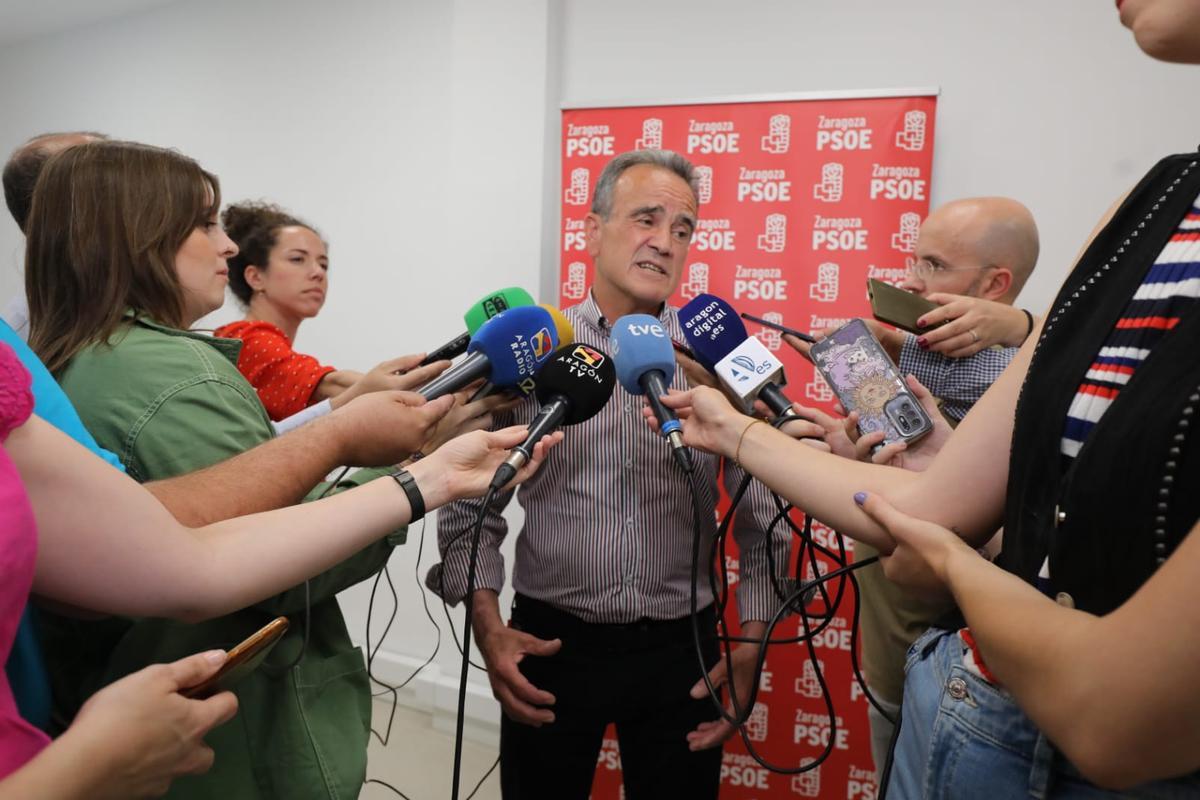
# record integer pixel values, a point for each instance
(643, 356)
(718, 337)
(507, 350)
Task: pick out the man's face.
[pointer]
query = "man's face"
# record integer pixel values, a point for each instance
(640, 250)
(944, 261)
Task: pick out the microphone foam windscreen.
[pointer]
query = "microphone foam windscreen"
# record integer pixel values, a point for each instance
(712, 328)
(640, 344)
(582, 374)
(566, 331)
(516, 342)
(494, 303)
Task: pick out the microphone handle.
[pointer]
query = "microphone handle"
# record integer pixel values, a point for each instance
(549, 417)
(654, 385)
(776, 400)
(451, 349)
(472, 368)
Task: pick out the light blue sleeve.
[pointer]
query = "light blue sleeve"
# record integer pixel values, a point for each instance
(49, 401)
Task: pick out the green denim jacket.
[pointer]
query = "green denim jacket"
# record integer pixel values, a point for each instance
(168, 402)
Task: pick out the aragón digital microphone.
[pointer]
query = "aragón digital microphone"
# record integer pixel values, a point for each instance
(508, 349)
(484, 309)
(746, 367)
(574, 385)
(644, 357)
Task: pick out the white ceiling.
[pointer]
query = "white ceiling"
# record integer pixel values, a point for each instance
(28, 19)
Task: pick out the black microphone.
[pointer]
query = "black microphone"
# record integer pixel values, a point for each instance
(573, 386)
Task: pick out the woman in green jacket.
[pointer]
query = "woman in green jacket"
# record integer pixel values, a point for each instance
(125, 254)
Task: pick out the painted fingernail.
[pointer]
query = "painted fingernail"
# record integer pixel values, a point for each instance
(860, 497)
(922, 343)
(920, 323)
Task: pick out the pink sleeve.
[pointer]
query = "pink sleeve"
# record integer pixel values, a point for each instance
(16, 398)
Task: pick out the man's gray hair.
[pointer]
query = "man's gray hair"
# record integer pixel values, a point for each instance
(602, 198)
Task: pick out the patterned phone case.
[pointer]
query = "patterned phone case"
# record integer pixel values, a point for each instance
(865, 380)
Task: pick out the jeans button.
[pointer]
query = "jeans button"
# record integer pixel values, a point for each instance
(957, 688)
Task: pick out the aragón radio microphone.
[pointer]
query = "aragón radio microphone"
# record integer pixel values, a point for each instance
(506, 350)
(644, 357)
(566, 335)
(574, 385)
(484, 309)
(718, 337)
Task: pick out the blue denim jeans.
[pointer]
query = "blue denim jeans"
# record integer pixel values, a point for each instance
(961, 737)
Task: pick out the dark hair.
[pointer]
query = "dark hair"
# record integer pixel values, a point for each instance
(23, 167)
(254, 228)
(602, 197)
(107, 221)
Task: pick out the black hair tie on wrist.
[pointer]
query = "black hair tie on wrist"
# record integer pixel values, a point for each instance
(1029, 321)
(409, 484)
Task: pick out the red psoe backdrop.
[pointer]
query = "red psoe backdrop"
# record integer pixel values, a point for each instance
(801, 200)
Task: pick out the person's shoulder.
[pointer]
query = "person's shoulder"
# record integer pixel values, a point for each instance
(249, 328)
(141, 355)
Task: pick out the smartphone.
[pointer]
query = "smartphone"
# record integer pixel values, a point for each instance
(898, 307)
(801, 335)
(865, 380)
(241, 660)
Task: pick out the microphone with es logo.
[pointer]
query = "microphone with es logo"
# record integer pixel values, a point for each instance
(484, 309)
(506, 350)
(747, 368)
(644, 357)
(572, 388)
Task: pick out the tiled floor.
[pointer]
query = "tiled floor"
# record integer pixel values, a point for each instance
(418, 760)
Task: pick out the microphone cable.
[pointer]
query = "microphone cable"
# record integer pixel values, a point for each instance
(796, 601)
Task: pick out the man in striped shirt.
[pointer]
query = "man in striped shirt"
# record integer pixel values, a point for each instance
(601, 629)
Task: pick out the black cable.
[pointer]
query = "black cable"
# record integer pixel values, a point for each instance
(476, 535)
(886, 776)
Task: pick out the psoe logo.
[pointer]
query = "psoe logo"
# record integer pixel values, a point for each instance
(829, 190)
(756, 725)
(779, 135)
(825, 290)
(704, 184)
(905, 240)
(593, 358)
(697, 281)
(774, 238)
(912, 138)
(577, 193)
(542, 343)
(807, 784)
(807, 685)
(771, 338)
(818, 390)
(575, 286)
(652, 133)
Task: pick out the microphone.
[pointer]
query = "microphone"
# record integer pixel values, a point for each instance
(748, 369)
(566, 335)
(572, 388)
(507, 349)
(484, 309)
(644, 357)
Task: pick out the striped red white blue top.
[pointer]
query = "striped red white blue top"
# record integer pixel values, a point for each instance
(1171, 285)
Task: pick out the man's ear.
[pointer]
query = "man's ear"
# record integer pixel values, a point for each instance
(996, 284)
(591, 229)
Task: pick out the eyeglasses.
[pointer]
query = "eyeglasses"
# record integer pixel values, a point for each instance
(925, 269)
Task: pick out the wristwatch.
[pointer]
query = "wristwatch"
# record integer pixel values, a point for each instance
(409, 484)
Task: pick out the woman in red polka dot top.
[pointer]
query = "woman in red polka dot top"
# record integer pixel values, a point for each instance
(280, 276)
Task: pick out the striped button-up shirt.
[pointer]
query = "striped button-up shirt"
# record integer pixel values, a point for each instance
(609, 518)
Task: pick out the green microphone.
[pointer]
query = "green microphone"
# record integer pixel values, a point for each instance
(484, 309)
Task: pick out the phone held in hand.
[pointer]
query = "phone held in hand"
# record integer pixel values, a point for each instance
(241, 660)
(865, 380)
(898, 307)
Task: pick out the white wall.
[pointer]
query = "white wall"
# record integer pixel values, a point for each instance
(421, 137)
